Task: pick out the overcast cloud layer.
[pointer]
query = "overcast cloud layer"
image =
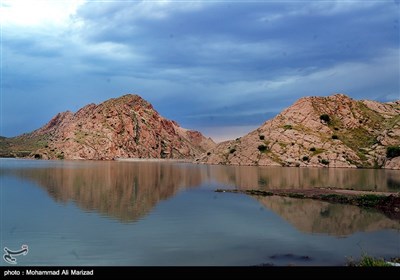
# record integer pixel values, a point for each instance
(221, 67)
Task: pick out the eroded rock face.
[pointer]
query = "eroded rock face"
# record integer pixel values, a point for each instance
(125, 127)
(333, 131)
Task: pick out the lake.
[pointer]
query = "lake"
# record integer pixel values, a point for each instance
(167, 213)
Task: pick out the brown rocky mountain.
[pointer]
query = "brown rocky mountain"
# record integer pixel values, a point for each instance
(125, 127)
(333, 131)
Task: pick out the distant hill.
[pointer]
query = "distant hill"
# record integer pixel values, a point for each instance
(125, 127)
(333, 131)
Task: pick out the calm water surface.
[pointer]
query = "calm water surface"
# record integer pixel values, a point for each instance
(167, 213)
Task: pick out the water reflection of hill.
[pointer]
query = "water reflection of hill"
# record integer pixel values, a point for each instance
(126, 191)
(322, 217)
(311, 215)
(249, 177)
(129, 190)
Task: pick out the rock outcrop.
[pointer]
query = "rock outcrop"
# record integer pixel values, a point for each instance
(333, 131)
(125, 127)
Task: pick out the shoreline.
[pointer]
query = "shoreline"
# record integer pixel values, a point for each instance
(153, 160)
(386, 202)
(194, 161)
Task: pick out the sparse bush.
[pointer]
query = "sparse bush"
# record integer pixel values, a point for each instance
(371, 261)
(262, 148)
(232, 150)
(325, 118)
(312, 149)
(287, 126)
(296, 195)
(306, 158)
(335, 137)
(325, 161)
(209, 153)
(392, 151)
(262, 137)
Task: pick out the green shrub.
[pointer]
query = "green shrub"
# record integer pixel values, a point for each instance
(312, 149)
(325, 161)
(60, 156)
(287, 126)
(371, 261)
(334, 137)
(369, 200)
(325, 118)
(232, 150)
(296, 195)
(262, 137)
(209, 153)
(306, 158)
(392, 151)
(262, 148)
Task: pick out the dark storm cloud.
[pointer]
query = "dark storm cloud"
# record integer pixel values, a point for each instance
(205, 63)
(261, 39)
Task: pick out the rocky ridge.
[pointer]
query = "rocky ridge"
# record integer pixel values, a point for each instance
(125, 127)
(333, 131)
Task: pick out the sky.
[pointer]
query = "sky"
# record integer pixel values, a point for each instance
(220, 67)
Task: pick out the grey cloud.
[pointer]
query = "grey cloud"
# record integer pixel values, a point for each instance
(223, 38)
(204, 64)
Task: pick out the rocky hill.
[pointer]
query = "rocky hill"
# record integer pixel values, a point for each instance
(122, 127)
(333, 131)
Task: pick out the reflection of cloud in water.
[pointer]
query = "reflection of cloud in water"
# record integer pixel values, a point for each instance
(126, 191)
(315, 216)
